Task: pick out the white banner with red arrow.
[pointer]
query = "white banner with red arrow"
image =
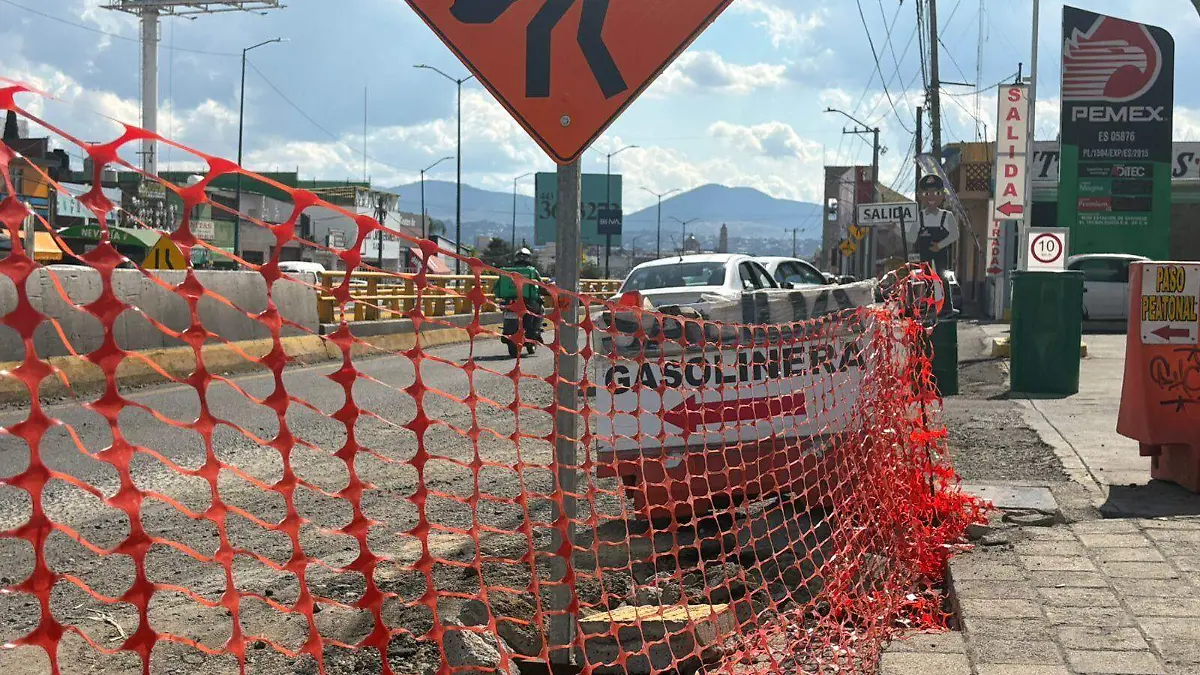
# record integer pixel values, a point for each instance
(1012, 140)
(799, 389)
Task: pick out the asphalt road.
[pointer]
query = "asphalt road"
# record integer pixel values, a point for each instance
(158, 420)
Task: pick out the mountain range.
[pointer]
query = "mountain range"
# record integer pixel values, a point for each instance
(749, 213)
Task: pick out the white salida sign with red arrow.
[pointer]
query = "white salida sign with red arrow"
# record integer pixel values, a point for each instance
(1012, 141)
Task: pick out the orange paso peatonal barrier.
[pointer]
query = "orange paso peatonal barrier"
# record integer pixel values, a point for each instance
(755, 488)
(1160, 395)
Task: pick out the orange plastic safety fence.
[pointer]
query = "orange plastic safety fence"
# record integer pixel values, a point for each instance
(736, 487)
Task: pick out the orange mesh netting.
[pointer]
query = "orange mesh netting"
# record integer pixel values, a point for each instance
(756, 486)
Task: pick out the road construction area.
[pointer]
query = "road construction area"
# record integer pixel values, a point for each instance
(384, 395)
(762, 558)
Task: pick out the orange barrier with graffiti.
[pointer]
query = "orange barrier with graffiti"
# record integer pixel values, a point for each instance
(1160, 396)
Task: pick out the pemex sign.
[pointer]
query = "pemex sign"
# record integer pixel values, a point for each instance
(1118, 90)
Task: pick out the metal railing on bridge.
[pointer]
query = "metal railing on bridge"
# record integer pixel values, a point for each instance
(379, 296)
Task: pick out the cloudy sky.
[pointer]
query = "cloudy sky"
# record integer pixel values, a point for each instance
(742, 107)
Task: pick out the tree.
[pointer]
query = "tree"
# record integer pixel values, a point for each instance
(498, 253)
(590, 270)
(437, 226)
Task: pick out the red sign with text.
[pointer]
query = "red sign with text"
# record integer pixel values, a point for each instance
(1012, 140)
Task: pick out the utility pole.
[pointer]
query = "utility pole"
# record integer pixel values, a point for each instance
(513, 242)
(868, 254)
(920, 144)
(237, 225)
(935, 84)
(608, 205)
(458, 181)
(793, 230)
(381, 216)
(1027, 222)
(658, 237)
(150, 12)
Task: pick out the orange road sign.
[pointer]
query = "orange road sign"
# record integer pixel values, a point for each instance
(566, 69)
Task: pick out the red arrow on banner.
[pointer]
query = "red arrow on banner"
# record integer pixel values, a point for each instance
(694, 416)
(1170, 332)
(1010, 209)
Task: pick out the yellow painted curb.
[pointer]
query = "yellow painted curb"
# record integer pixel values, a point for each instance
(143, 368)
(1002, 349)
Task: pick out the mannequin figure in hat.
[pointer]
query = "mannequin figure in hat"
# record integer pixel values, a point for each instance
(935, 232)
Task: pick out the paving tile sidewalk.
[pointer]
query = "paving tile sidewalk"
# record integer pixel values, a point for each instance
(1106, 597)
(1115, 593)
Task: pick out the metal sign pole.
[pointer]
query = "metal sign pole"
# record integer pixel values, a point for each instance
(1026, 223)
(566, 419)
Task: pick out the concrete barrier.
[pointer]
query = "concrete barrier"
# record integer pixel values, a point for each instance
(246, 291)
(78, 376)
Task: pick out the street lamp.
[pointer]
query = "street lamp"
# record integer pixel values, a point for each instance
(516, 180)
(658, 238)
(424, 216)
(633, 249)
(237, 227)
(608, 201)
(683, 239)
(458, 182)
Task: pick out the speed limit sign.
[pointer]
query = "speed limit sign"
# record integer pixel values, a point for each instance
(1047, 249)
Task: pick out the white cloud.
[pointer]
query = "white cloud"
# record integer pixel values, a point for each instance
(783, 25)
(703, 70)
(775, 140)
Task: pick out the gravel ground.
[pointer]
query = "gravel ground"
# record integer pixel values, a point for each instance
(989, 440)
(385, 429)
(987, 443)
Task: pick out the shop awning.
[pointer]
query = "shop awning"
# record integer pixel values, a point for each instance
(119, 236)
(45, 249)
(436, 265)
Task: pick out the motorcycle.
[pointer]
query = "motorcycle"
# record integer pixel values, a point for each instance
(532, 330)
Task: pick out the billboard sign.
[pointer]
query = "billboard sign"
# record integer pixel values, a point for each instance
(597, 197)
(1118, 91)
(609, 222)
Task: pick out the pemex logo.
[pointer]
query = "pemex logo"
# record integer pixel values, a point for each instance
(1115, 61)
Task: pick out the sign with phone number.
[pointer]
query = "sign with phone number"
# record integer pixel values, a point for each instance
(597, 198)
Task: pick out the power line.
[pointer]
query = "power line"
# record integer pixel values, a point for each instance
(888, 41)
(954, 61)
(878, 67)
(317, 124)
(116, 36)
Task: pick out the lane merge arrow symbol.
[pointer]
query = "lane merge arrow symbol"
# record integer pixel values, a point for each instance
(1169, 333)
(693, 415)
(1010, 209)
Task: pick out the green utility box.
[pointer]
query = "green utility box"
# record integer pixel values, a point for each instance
(945, 356)
(1047, 327)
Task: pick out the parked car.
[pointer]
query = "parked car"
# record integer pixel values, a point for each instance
(688, 279)
(291, 267)
(793, 272)
(1105, 284)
